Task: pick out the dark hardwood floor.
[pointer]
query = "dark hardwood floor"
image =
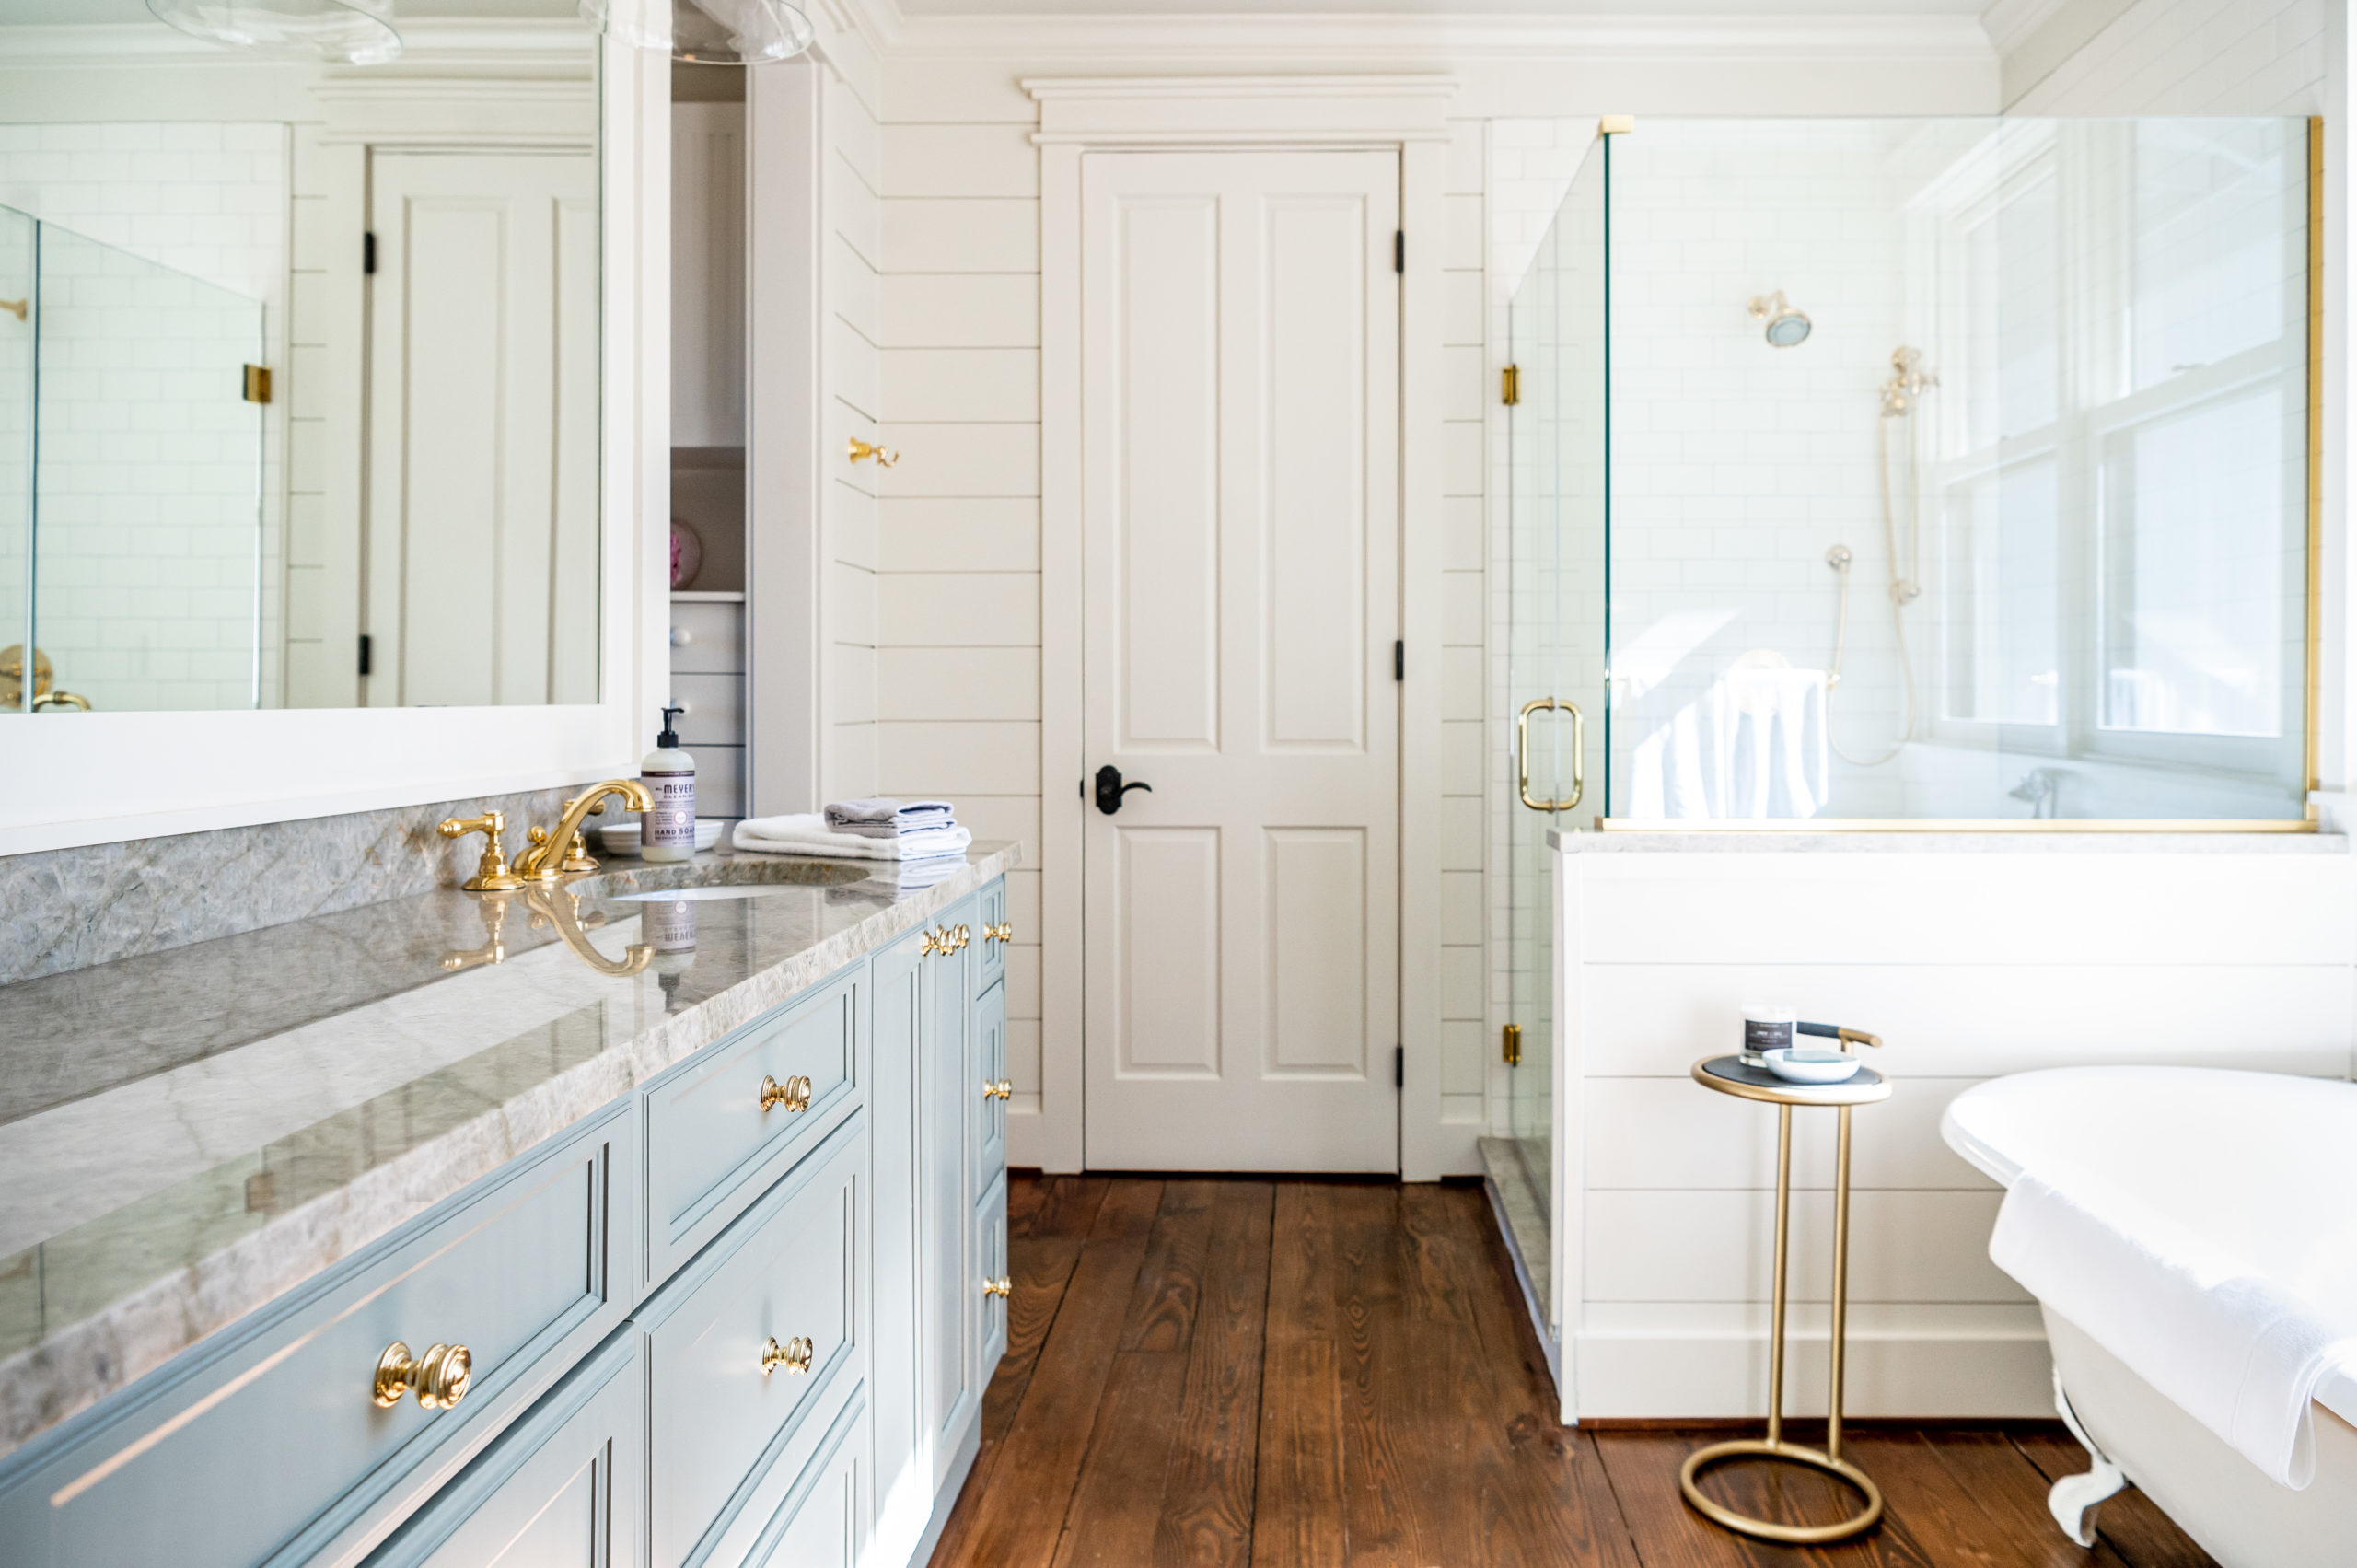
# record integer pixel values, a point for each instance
(1307, 1374)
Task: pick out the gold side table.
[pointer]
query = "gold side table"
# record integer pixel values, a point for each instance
(1728, 1076)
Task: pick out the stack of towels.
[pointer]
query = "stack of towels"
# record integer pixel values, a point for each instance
(922, 835)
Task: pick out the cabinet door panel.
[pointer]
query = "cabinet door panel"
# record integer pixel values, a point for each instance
(903, 1486)
(989, 1066)
(559, 1490)
(825, 1519)
(989, 1252)
(945, 1183)
(990, 965)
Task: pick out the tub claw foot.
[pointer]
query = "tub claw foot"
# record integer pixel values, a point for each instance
(2074, 1500)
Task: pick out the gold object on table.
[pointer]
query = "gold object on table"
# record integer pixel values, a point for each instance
(794, 1356)
(546, 860)
(793, 1094)
(492, 874)
(1729, 1076)
(441, 1376)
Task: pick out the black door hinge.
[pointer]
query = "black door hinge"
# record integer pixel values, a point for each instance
(1398, 1066)
(368, 252)
(1400, 660)
(366, 661)
(1398, 249)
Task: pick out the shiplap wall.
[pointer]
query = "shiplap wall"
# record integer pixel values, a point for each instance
(957, 533)
(852, 180)
(1973, 956)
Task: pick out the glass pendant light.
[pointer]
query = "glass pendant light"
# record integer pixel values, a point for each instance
(706, 32)
(343, 32)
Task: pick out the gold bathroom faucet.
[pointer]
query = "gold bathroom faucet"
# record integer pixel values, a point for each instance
(555, 852)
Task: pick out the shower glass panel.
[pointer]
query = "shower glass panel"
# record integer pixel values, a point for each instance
(16, 272)
(1959, 472)
(130, 480)
(1555, 648)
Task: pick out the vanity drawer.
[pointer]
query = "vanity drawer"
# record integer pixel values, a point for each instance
(990, 967)
(559, 1490)
(707, 639)
(713, 709)
(990, 1069)
(713, 1146)
(265, 1446)
(780, 1280)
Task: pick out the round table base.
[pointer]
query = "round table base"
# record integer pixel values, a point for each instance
(1789, 1453)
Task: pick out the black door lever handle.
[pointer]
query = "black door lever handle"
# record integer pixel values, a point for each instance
(1109, 789)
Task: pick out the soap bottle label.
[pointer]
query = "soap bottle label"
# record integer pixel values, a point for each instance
(673, 820)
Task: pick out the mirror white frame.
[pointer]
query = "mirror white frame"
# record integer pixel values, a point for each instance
(69, 779)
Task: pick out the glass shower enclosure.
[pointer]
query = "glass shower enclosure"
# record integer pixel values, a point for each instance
(132, 540)
(1906, 474)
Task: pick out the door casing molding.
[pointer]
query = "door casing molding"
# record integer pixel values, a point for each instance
(1404, 113)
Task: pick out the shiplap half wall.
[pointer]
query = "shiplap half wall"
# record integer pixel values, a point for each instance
(957, 668)
(1980, 959)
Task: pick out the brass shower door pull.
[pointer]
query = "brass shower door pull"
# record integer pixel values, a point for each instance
(1522, 753)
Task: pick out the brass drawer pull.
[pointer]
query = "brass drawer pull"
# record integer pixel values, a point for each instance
(1002, 1286)
(794, 1355)
(441, 1376)
(793, 1094)
(1000, 1089)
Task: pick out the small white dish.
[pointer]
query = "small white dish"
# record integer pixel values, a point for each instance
(622, 837)
(1797, 1067)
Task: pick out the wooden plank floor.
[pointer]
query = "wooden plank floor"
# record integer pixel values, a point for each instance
(1307, 1375)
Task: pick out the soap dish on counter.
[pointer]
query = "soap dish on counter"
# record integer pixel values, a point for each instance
(622, 837)
(1797, 1067)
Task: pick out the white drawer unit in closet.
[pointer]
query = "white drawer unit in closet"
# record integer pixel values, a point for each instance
(708, 681)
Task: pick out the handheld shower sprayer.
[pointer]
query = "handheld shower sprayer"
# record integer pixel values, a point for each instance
(1899, 395)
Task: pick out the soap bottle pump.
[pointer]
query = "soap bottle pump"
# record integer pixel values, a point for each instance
(668, 832)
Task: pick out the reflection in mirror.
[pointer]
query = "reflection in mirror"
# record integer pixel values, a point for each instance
(298, 365)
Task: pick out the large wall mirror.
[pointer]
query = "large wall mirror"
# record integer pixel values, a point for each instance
(300, 365)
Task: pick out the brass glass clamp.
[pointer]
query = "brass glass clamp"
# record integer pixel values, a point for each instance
(793, 1094)
(794, 1356)
(440, 1377)
(492, 874)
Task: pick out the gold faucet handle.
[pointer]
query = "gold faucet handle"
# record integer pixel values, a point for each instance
(492, 874)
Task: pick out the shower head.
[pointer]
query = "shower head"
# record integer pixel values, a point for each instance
(1787, 328)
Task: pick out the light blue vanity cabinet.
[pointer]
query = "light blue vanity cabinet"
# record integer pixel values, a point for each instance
(737, 1318)
(266, 1444)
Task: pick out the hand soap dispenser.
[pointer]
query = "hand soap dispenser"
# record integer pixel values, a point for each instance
(668, 831)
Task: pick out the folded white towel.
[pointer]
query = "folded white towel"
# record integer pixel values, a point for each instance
(881, 818)
(2211, 1277)
(806, 833)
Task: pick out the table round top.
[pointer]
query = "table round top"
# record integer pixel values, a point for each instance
(1730, 1076)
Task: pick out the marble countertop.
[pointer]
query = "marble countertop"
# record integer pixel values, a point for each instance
(187, 1135)
(1642, 840)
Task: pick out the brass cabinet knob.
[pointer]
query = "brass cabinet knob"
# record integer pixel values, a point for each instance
(794, 1355)
(936, 941)
(1002, 1286)
(1003, 932)
(965, 935)
(999, 1088)
(793, 1094)
(441, 1376)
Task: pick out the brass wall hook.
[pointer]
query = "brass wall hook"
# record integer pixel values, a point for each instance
(19, 308)
(884, 455)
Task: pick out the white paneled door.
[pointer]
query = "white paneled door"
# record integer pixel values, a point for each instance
(483, 429)
(1241, 438)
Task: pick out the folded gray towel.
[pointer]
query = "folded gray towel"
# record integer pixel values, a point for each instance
(881, 818)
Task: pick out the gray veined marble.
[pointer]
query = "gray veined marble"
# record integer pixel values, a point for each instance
(186, 1135)
(69, 909)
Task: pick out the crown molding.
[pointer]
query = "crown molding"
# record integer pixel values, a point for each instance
(2009, 23)
(1258, 36)
(1126, 88)
(426, 42)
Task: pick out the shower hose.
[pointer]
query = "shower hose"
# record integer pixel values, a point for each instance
(1901, 590)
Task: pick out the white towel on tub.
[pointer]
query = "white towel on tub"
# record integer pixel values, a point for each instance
(2193, 1278)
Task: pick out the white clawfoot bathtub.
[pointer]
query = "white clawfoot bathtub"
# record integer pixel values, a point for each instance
(2211, 1151)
